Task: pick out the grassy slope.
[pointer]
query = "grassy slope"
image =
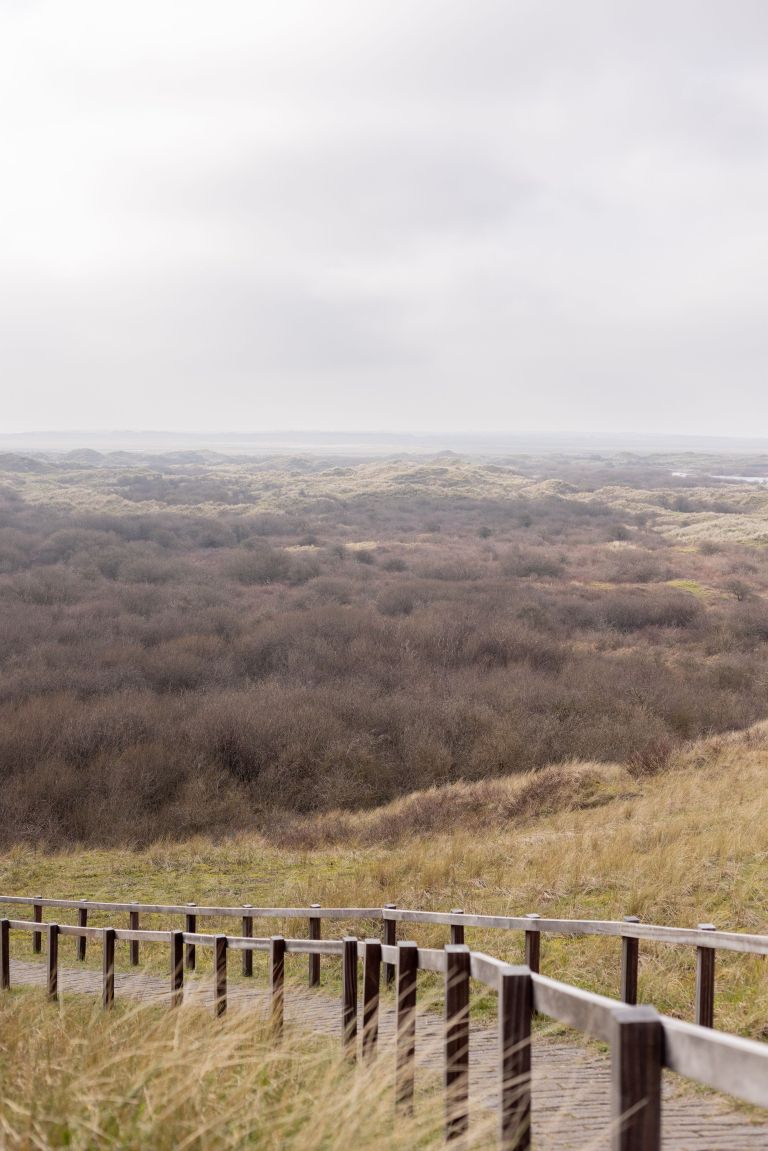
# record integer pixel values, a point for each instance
(680, 848)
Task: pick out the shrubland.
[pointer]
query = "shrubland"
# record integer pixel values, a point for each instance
(196, 647)
(679, 846)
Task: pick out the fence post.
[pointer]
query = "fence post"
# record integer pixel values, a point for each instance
(133, 946)
(515, 1014)
(82, 921)
(248, 955)
(349, 998)
(5, 955)
(630, 953)
(705, 982)
(191, 928)
(390, 938)
(533, 946)
(314, 960)
(277, 983)
(108, 967)
(457, 929)
(636, 1059)
(219, 975)
(371, 982)
(37, 936)
(177, 968)
(52, 933)
(457, 968)
(405, 1040)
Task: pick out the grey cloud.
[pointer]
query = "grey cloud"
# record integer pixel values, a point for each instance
(532, 213)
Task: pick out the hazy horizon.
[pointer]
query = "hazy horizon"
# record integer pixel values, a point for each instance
(544, 217)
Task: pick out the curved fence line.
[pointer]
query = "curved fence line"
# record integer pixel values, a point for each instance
(630, 931)
(641, 1041)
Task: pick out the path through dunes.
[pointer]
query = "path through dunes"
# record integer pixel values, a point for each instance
(570, 1083)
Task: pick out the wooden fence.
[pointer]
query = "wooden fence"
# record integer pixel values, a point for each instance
(642, 1042)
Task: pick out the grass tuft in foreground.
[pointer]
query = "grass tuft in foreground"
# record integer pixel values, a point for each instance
(144, 1077)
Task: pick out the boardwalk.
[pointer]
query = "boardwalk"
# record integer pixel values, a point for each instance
(570, 1083)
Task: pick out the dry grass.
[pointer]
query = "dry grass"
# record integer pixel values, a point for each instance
(148, 1078)
(686, 846)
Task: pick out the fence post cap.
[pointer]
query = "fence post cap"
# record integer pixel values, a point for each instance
(390, 906)
(457, 911)
(533, 915)
(315, 906)
(631, 918)
(246, 906)
(706, 927)
(457, 949)
(191, 904)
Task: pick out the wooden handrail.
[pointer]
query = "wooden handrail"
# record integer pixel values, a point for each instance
(653, 933)
(642, 1042)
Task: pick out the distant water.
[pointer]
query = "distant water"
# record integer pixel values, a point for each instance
(744, 479)
(731, 479)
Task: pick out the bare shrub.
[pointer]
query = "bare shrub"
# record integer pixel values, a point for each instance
(650, 759)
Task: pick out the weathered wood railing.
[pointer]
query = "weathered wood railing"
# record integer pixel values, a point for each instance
(630, 931)
(642, 1042)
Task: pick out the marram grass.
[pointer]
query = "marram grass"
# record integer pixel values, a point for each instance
(144, 1077)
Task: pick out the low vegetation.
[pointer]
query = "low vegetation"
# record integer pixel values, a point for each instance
(685, 846)
(194, 644)
(142, 1078)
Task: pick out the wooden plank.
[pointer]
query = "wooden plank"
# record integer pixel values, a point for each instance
(314, 946)
(5, 955)
(457, 971)
(126, 935)
(371, 985)
(93, 933)
(37, 936)
(388, 954)
(705, 982)
(190, 927)
(390, 940)
(457, 929)
(133, 946)
(82, 921)
(515, 1013)
(314, 959)
(277, 984)
(630, 955)
(349, 998)
(582, 1010)
(108, 967)
(487, 969)
(220, 975)
(248, 955)
(52, 961)
(177, 968)
(430, 959)
(405, 1036)
(727, 1063)
(203, 910)
(636, 1063)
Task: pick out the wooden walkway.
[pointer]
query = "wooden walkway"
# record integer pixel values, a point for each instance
(570, 1082)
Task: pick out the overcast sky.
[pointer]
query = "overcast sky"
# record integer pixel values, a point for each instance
(407, 215)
